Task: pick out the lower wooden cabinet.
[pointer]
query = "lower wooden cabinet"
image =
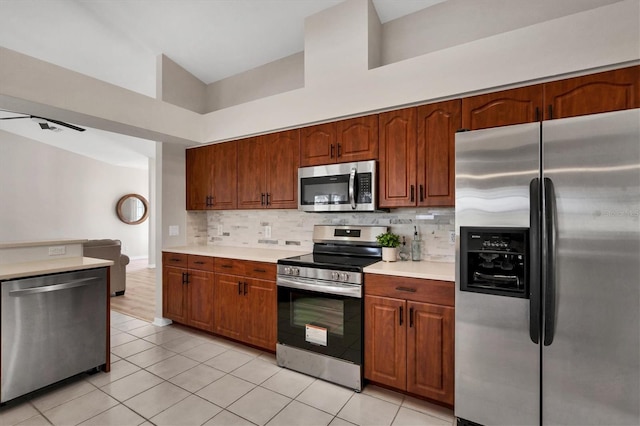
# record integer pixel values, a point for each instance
(187, 289)
(409, 335)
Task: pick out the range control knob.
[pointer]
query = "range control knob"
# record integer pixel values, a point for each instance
(335, 276)
(287, 270)
(295, 271)
(344, 276)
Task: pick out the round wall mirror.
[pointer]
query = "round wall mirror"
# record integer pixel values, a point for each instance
(132, 209)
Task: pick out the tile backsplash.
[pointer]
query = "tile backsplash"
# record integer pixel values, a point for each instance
(293, 230)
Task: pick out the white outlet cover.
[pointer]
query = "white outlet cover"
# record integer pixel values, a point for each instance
(452, 237)
(220, 230)
(174, 230)
(267, 231)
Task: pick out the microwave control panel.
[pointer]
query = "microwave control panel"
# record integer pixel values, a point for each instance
(363, 182)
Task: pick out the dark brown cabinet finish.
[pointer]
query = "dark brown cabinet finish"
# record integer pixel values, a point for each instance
(268, 171)
(397, 172)
(211, 177)
(245, 302)
(409, 335)
(187, 289)
(437, 126)
(592, 94)
(355, 139)
(507, 107)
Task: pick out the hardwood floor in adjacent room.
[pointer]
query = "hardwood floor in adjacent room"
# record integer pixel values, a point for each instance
(139, 297)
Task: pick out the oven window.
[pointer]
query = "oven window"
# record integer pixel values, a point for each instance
(324, 312)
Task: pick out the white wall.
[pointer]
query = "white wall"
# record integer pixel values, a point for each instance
(49, 193)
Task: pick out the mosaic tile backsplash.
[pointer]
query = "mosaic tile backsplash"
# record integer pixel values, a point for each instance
(293, 230)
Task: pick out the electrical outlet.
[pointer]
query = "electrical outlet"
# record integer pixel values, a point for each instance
(452, 237)
(57, 250)
(174, 230)
(267, 231)
(220, 231)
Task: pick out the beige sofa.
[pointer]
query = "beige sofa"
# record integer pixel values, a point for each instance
(110, 250)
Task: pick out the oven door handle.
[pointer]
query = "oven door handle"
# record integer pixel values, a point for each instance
(352, 188)
(320, 287)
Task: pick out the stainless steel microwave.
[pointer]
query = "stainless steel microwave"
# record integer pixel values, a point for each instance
(338, 187)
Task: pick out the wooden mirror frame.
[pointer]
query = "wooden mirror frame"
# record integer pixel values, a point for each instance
(120, 214)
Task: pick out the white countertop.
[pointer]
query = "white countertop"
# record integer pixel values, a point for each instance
(18, 244)
(268, 255)
(420, 269)
(50, 266)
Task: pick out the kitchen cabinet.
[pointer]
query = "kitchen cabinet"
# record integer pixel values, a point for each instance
(245, 302)
(187, 289)
(590, 94)
(354, 139)
(409, 335)
(268, 171)
(417, 155)
(211, 177)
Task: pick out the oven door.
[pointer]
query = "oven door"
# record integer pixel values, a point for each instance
(318, 321)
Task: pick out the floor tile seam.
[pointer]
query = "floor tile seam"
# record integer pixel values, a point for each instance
(190, 394)
(158, 362)
(71, 381)
(106, 409)
(385, 400)
(161, 411)
(133, 396)
(438, 416)
(124, 332)
(395, 415)
(135, 353)
(427, 414)
(297, 395)
(238, 415)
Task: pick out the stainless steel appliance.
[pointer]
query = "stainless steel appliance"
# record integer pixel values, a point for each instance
(320, 304)
(567, 349)
(53, 327)
(338, 187)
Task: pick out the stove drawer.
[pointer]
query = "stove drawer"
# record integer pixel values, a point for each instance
(246, 268)
(419, 290)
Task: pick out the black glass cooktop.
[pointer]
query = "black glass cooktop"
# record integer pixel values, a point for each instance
(325, 261)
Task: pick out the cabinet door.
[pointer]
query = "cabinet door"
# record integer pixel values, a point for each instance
(174, 294)
(357, 139)
(282, 152)
(397, 184)
(385, 344)
(251, 174)
(318, 145)
(199, 177)
(430, 351)
(225, 157)
(437, 126)
(515, 106)
(592, 94)
(200, 300)
(261, 313)
(228, 305)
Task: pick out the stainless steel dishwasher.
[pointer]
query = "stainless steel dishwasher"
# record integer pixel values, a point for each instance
(53, 327)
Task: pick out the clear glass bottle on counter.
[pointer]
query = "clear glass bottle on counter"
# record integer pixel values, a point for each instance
(416, 245)
(404, 250)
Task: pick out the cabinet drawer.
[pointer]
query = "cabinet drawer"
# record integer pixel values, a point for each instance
(419, 290)
(174, 259)
(202, 263)
(246, 268)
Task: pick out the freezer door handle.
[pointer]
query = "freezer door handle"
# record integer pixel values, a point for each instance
(550, 253)
(534, 261)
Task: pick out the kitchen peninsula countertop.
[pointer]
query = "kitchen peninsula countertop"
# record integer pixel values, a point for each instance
(440, 271)
(50, 266)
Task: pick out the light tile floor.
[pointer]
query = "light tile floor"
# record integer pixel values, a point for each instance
(176, 376)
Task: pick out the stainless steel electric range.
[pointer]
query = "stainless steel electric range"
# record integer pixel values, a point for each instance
(320, 304)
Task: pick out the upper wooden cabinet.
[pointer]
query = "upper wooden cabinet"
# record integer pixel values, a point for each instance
(507, 107)
(417, 155)
(592, 94)
(211, 177)
(268, 171)
(437, 126)
(355, 139)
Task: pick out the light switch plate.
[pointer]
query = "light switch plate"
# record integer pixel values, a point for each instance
(174, 230)
(452, 237)
(220, 231)
(57, 250)
(267, 231)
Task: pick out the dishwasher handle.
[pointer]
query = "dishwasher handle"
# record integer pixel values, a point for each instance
(54, 287)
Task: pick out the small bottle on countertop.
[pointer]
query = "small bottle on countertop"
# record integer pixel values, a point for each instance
(404, 250)
(416, 245)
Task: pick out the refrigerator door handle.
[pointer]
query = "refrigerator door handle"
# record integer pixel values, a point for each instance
(550, 253)
(534, 261)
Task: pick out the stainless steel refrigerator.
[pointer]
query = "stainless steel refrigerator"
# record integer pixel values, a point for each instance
(547, 324)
